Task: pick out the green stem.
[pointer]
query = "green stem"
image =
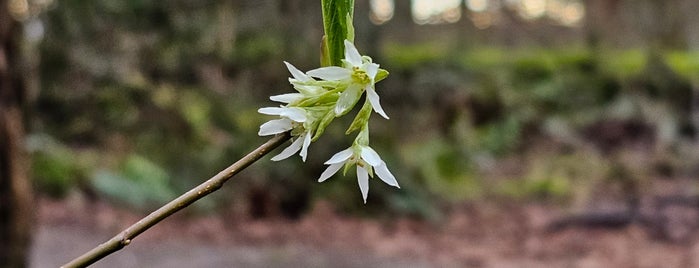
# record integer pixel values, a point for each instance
(124, 238)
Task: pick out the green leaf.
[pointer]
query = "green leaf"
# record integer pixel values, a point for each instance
(381, 75)
(350, 27)
(337, 23)
(324, 52)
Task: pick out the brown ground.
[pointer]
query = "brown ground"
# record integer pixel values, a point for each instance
(474, 235)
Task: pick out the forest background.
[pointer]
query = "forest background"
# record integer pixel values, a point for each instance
(583, 105)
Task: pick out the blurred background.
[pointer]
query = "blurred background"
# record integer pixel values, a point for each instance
(523, 133)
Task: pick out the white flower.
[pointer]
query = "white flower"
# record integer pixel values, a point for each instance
(301, 143)
(297, 74)
(275, 127)
(292, 117)
(294, 113)
(360, 73)
(287, 98)
(366, 160)
(300, 82)
(298, 78)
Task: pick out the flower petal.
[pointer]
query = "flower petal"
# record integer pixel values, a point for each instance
(363, 180)
(385, 175)
(371, 70)
(347, 100)
(331, 73)
(342, 156)
(271, 110)
(298, 75)
(293, 113)
(286, 98)
(274, 127)
(352, 55)
(374, 100)
(370, 156)
(296, 114)
(306, 143)
(330, 171)
(289, 151)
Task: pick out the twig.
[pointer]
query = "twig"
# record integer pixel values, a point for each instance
(124, 238)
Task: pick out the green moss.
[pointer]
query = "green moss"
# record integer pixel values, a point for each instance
(402, 56)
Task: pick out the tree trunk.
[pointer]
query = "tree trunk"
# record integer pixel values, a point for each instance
(602, 21)
(402, 27)
(16, 211)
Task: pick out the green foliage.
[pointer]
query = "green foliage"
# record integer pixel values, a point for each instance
(444, 169)
(625, 63)
(406, 57)
(56, 168)
(557, 177)
(500, 137)
(140, 183)
(171, 89)
(685, 64)
(256, 48)
(505, 98)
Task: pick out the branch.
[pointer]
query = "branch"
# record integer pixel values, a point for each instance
(124, 238)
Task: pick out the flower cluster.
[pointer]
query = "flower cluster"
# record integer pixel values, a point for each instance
(322, 95)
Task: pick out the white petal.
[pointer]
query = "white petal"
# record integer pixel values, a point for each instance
(298, 75)
(374, 100)
(293, 113)
(306, 143)
(286, 98)
(271, 110)
(371, 70)
(296, 114)
(342, 156)
(363, 180)
(370, 156)
(385, 175)
(289, 151)
(274, 127)
(352, 55)
(331, 73)
(330, 171)
(347, 99)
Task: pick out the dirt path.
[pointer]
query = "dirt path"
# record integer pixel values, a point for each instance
(54, 245)
(477, 235)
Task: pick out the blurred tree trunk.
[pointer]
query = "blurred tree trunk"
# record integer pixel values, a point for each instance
(601, 21)
(666, 27)
(302, 27)
(401, 25)
(15, 190)
(402, 12)
(661, 24)
(366, 33)
(466, 29)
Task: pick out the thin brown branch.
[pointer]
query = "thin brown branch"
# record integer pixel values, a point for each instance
(124, 238)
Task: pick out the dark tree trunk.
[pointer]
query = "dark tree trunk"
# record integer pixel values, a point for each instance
(401, 25)
(15, 191)
(366, 33)
(601, 21)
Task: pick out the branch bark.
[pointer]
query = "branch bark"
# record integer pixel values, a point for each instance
(126, 236)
